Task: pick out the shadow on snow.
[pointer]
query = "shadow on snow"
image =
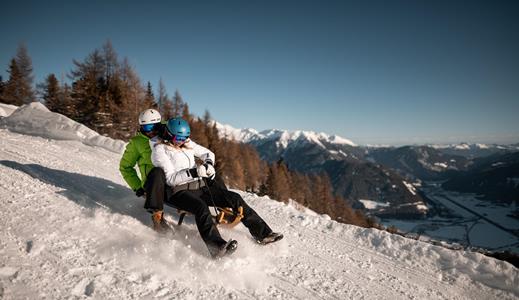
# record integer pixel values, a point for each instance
(88, 191)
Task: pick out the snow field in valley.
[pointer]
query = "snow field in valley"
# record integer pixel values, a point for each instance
(70, 228)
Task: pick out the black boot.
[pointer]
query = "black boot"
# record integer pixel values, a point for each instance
(226, 249)
(270, 238)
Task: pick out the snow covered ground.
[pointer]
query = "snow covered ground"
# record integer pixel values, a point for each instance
(70, 228)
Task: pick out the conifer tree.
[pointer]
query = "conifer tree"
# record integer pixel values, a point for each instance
(165, 104)
(57, 96)
(186, 115)
(112, 114)
(12, 93)
(162, 96)
(2, 87)
(307, 190)
(253, 172)
(107, 93)
(213, 139)
(277, 183)
(231, 165)
(197, 130)
(299, 188)
(51, 93)
(201, 127)
(131, 101)
(269, 186)
(149, 98)
(25, 85)
(88, 89)
(178, 104)
(67, 105)
(167, 109)
(283, 181)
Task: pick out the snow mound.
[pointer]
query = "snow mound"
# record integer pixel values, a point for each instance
(35, 119)
(6, 109)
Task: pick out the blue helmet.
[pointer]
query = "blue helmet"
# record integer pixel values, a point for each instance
(178, 128)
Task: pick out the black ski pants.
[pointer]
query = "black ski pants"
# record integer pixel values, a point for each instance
(156, 190)
(198, 201)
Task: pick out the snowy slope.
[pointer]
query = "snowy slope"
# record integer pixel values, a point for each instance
(71, 228)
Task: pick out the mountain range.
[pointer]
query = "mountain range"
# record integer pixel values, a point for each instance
(383, 180)
(494, 178)
(355, 178)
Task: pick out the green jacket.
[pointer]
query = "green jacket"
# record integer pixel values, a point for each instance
(137, 151)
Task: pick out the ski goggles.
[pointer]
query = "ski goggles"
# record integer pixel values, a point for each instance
(148, 127)
(179, 139)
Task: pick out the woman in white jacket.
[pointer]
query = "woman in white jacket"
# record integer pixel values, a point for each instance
(192, 188)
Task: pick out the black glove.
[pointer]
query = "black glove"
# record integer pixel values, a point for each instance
(140, 192)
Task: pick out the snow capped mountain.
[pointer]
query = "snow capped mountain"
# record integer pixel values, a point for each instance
(418, 162)
(72, 229)
(342, 160)
(239, 135)
(282, 137)
(475, 150)
(461, 146)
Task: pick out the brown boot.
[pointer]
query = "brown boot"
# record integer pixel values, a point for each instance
(159, 224)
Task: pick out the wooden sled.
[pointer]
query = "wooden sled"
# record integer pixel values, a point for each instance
(225, 217)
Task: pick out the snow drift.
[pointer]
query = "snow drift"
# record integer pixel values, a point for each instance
(36, 119)
(71, 228)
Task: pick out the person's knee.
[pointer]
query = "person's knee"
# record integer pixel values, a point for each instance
(157, 173)
(236, 198)
(199, 206)
(156, 177)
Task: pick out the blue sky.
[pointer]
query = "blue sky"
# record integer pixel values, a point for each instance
(378, 72)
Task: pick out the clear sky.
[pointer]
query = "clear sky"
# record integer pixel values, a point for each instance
(378, 72)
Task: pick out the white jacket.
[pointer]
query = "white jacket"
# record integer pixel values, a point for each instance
(176, 161)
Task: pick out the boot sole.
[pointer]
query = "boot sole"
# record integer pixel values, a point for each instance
(278, 238)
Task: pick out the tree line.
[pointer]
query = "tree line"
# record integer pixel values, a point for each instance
(106, 94)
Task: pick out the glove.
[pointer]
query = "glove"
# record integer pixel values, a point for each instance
(209, 170)
(201, 171)
(140, 192)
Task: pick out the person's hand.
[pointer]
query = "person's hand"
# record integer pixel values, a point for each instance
(140, 192)
(210, 171)
(201, 171)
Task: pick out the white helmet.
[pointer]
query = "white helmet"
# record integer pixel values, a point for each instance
(149, 116)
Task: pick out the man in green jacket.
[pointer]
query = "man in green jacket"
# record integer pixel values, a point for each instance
(138, 152)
